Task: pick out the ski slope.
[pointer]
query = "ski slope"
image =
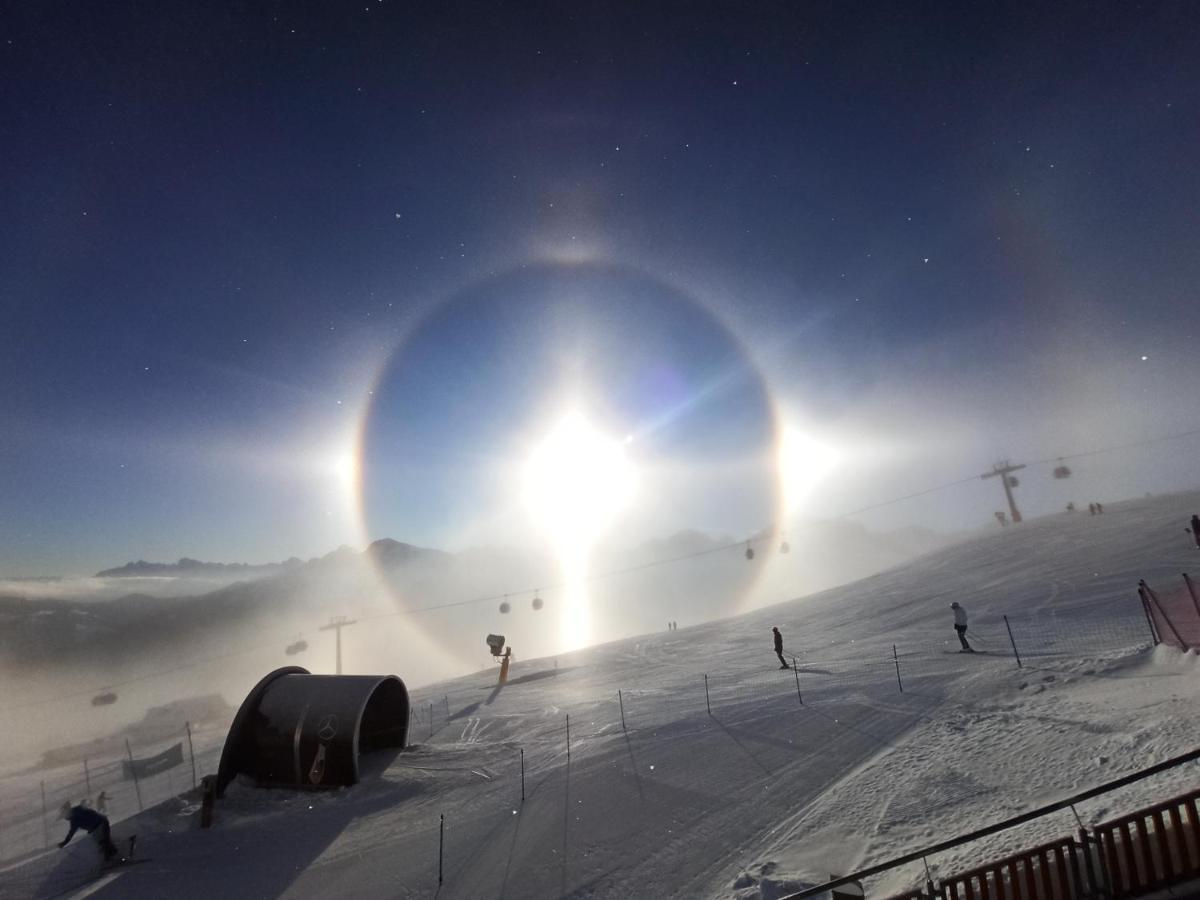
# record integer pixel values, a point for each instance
(764, 795)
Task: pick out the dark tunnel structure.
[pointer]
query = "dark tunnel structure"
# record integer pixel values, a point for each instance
(296, 729)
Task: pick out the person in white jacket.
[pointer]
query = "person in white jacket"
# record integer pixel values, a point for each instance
(960, 625)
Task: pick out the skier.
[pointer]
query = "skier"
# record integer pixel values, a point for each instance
(779, 648)
(1196, 530)
(960, 625)
(93, 823)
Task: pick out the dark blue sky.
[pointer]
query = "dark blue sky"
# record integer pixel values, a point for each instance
(950, 231)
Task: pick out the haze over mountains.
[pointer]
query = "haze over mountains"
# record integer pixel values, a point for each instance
(150, 631)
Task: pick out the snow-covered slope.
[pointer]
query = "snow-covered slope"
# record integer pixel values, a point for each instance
(766, 793)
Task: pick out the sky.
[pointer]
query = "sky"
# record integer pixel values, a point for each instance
(279, 277)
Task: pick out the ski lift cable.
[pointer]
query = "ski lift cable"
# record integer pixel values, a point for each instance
(1115, 447)
(136, 678)
(602, 575)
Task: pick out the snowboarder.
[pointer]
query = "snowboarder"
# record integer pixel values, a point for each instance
(1196, 530)
(93, 823)
(960, 625)
(779, 648)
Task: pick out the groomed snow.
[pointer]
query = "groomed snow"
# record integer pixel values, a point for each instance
(765, 795)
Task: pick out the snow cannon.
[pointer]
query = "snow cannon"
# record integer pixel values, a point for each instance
(495, 643)
(300, 730)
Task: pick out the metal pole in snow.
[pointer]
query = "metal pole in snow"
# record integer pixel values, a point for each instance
(191, 752)
(1016, 652)
(896, 659)
(522, 774)
(568, 737)
(796, 672)
(1162, 612)
(137, 787)
(441, 843)
(1192, 590)
(622, 702)
(707, 702)
(1146, 610)
(431, 720)
(45, 826)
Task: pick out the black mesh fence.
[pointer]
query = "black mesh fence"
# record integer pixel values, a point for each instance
(30, 803)
(1080, 631)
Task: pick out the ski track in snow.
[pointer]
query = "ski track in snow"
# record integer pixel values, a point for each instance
(763, 796)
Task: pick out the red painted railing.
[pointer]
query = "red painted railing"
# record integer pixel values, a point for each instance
(1052, 871)
(1152, 848)
(1137, 854)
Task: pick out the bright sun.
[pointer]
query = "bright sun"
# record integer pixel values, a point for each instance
(575, 483)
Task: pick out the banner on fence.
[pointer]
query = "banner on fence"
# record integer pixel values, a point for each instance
(153, 765)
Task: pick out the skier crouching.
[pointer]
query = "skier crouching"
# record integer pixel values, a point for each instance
(960, 625)
(93, 823)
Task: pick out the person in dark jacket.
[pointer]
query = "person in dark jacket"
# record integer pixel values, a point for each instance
(1196, 529)
(779, 649)
(93, 823)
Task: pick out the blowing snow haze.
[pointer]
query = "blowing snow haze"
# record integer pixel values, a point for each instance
(604, 307)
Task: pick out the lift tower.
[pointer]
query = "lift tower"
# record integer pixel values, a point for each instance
(1004, 470)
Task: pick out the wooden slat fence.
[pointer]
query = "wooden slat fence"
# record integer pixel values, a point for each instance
(1052, 871)
(1152, 848)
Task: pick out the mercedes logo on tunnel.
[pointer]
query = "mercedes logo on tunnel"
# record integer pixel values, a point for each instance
(328, 728)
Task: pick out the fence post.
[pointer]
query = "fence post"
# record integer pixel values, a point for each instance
(707, 702)
(1192, 590)
(133, 771)
(441, 843)
(896, 659)
(796, 672)
(622, 702)
(1092, 883)
(45, 824)
(87, 780)
(191, 752)
(568, 737)
(208, 798)
(1016, 652)
(1146, 609)
(522, 774)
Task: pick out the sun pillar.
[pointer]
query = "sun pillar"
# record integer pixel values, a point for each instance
(576, 482)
